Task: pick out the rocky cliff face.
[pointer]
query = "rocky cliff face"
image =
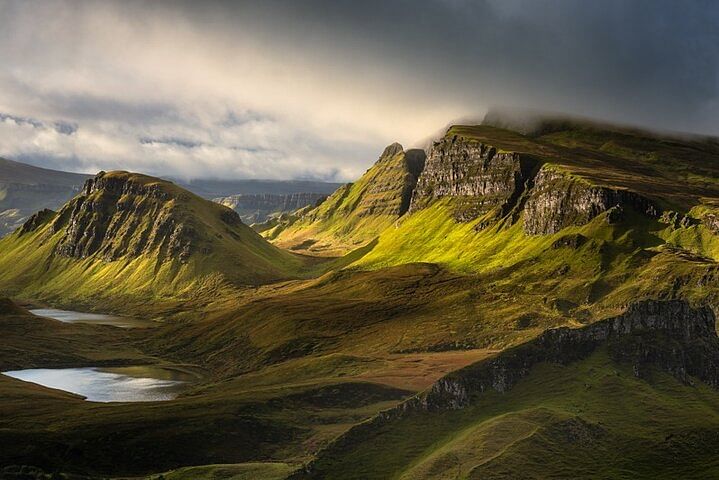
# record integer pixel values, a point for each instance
(478, 175)
(355, 213)
(36, 221)
(480, 178)
(557, 201)
(255, 208)
(118, 215)
(671, 336)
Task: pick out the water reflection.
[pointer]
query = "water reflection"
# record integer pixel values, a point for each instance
(120, 384)
(68, 316)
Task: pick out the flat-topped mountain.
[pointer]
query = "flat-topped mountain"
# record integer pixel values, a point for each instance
(129, 232)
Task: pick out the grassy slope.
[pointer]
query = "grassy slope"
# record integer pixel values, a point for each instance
(279, 413)
(494, 288)
(662, 169)
(30, 268)
(345, 220)
(225, 424)
(592, 419)
(241, 471)
(411, 308)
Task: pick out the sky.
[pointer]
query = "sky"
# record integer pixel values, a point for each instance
(315, 89)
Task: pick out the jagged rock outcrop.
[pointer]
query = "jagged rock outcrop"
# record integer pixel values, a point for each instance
(255, 208)
(119, 215)
(558, 200)
(355, 213)
(668, 335)
(480, 176)
(678, 220)
(390, 191)
(36, 221)
(385, 189)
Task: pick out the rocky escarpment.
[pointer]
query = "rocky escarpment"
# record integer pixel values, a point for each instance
(558, 200)
(356, 213)
(670, 336)
(389, 191)
(120, 214)
(517, 180)
(254, 208)
(384, 190)
(36, 221)
(478, 175)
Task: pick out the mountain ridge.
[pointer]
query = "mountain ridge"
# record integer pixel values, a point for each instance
(356, 212)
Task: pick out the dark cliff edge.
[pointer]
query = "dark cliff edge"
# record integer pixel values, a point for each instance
(557, 201)
(670, 336)
(482, 178)
(478, 176)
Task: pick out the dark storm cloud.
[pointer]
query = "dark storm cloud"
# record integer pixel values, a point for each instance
(316, 88)
(652, 62)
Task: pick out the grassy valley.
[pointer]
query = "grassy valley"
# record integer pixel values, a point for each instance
(353, 339)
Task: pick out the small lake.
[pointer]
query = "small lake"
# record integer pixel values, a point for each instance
(117, 384)
(68, 316)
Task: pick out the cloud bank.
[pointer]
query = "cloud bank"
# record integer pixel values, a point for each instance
(316, 88)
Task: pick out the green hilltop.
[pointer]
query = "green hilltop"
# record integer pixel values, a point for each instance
(128, 236)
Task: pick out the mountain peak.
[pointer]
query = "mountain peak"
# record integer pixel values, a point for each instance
(148, 232)
(392, 150)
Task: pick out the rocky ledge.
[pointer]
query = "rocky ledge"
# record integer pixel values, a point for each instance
(481, 178)
(395, 176)
(668, 335)
(558, 200)
(478, 176)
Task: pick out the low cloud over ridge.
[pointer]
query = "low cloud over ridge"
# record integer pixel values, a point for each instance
(315, 89)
